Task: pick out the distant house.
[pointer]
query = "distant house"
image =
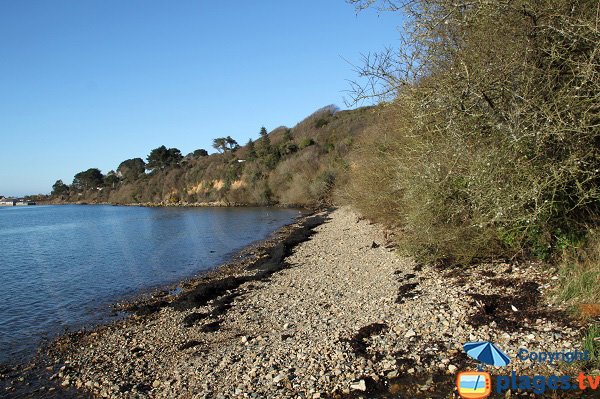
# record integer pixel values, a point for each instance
(15, 202)
(8, 202)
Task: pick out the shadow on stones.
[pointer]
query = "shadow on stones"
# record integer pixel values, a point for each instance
(407, 291)
(359, 342)
(525, 297)
(189, 344)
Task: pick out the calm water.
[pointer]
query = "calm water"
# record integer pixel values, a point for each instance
(62, 266)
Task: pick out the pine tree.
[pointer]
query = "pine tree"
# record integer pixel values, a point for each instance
(264, 139)
(251, 150)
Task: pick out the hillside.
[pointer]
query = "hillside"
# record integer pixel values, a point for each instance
(288, 166)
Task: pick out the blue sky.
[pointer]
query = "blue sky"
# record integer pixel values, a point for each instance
(90, 83)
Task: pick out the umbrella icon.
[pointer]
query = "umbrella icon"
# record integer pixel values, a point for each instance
(487, 353)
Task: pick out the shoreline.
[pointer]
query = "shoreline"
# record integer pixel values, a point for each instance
(213, 204)
(24, 378)
(327, 309)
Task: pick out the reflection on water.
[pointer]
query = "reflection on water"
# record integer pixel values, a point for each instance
(61, 266)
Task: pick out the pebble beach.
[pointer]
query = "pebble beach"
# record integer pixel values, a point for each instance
(333, 313)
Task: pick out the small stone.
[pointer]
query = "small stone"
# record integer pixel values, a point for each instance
(452, 368)
(410, 333)
(392, 374)
(156, 384)
(359, 386)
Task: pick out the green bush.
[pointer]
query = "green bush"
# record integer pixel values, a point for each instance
(490, 146)
(306, 142)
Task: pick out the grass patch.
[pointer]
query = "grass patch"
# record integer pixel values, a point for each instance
(591, 344)
(580, 278)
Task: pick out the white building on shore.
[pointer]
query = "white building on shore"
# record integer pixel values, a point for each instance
(15, 202)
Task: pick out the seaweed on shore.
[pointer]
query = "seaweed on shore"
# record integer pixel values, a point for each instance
(263, 260)
(359, 342)
(498, 309)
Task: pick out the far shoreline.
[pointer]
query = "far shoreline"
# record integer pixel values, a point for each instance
(213, 204)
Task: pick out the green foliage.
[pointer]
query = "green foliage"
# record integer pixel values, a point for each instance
(591, 344)
(251, 150)
(161, 158)
(579, 271)
(287, 148)
(322, 185)
(89, 179)
(131, 169)
(200, 153)
(486, 149)
(306, 142)
(272, 169)
(264, 144)
(111, 179)
(59, 189)
(319, 123)
(224, 144)
(287, 135)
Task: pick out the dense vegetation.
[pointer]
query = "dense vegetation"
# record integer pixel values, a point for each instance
(490, 143)
(485, 143)
(290, 166)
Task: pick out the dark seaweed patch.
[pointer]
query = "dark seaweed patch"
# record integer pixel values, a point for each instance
(359, 342)
(193, 318)
(501, 282)
(525, 297)
(211, 327)
(406, 291)
(189, 344)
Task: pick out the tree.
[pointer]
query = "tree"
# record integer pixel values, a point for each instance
(225, 144)
(233, 145)
(131, 169)
(264, 150)
(111, 179)
(200, 153)
(59, 188)
(251, 150)
(161, 158)
(287, 135)
(220, 144)
(88, 179)
(264, 138)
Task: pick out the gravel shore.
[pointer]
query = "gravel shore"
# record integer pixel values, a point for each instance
(341, 316)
